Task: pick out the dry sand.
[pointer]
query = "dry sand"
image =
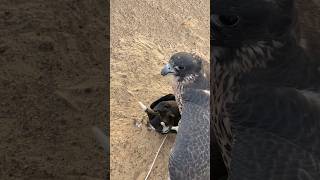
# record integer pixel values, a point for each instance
(144, 34)
(53, 80)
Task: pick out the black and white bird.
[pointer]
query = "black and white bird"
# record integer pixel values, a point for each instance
(163, 114)
(190, 156)
(266, 92)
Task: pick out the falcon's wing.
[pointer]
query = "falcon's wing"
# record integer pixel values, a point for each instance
(277, 135)
(190, 156)
(218, 168)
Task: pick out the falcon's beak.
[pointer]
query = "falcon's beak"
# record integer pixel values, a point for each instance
(167, 69)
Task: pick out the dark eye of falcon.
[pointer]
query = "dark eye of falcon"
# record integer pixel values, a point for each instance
(226, 20)
(179, 68)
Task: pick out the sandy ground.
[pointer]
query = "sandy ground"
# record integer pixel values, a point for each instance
(52, 78)
(144, 34)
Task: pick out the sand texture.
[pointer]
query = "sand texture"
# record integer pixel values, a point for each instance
(144, 34)
(52, 76)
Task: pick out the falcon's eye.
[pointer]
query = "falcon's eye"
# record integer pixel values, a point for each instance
(179, 68)
(225, 20)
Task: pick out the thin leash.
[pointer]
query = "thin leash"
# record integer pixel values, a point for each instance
(155, 158)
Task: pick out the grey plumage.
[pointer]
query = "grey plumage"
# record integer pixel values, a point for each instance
(265, 122)
(189, 71)
(190, 157)
(275, 139)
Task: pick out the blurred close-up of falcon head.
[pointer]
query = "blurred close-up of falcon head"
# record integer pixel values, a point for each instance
(189, 71)
(237, 24)
(185, 67)
(265, 86)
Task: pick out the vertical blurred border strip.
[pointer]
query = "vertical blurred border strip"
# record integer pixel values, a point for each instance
(107, 90)
(211, 93)
(102, 136)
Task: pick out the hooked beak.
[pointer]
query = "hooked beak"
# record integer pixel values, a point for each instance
(167, 69)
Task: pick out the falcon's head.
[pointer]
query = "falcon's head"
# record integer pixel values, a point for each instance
(248, 34)
(237, 23)
(184, 66)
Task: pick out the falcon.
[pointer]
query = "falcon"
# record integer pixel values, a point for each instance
(266, 105)
(190, 156)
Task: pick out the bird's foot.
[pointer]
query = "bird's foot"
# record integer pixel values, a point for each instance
(175, 128)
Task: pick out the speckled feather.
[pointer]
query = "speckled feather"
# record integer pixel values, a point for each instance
(266, 106)
(190, 155)
(190, 158)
